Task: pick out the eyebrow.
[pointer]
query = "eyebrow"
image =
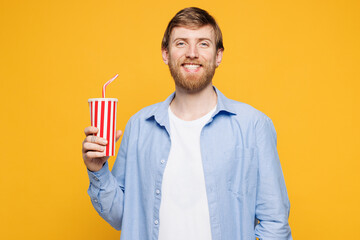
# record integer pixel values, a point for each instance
(199, 39)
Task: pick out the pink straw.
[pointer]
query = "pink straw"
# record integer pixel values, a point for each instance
(107, 83)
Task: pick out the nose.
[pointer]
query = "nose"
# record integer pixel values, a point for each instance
(192, 51)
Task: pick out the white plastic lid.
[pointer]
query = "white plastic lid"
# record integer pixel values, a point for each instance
(102, 99)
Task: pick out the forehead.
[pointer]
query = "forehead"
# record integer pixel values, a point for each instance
(193, 33)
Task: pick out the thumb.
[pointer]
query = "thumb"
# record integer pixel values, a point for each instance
(118, 134)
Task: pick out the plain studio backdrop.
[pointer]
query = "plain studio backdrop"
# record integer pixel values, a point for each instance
(296, 61)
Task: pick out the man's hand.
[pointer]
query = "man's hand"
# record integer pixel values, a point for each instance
(93, 149)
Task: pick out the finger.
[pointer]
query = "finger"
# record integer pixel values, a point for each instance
(91, 155)
(118, 134)
(93, 147)
(90, 130)
(95, 139)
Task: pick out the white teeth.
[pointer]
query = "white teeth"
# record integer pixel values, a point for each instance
(191, 66)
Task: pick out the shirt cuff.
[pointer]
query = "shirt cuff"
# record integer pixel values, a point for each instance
(99, 178)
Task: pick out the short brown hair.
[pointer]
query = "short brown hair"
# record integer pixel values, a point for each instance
(194, 18)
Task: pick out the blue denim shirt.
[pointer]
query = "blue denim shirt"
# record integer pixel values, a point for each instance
(245, 187)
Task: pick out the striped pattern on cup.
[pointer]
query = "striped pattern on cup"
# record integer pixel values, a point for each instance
(103, 116)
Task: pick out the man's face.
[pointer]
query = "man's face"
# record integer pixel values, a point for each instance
(192, 57)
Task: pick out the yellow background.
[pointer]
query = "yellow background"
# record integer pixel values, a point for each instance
(297, 61)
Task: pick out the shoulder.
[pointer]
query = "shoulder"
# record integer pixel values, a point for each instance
(146, 112)
(240, 111)
(137, 120)
(253, 120)
(157, 109)
(245, 112)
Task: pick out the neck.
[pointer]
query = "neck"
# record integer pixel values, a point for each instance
(191, 106)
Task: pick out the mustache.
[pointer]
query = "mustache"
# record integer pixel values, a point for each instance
(191, 62)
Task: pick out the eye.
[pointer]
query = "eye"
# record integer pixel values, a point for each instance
(180, 43)
(204, 44)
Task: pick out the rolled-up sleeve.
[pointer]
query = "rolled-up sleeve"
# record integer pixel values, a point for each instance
(272, 202)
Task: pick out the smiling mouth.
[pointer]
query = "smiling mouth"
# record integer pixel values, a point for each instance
(191, 66)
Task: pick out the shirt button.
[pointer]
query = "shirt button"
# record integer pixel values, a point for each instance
(157, 191)
(96, 178)
(156, 222)
(162, 161)
(95, 200)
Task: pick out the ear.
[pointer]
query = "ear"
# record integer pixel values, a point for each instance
(219, 55)
(165, 55)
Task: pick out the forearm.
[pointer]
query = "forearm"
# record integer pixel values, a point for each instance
(106, 196)
(273, 214)
(272, 203)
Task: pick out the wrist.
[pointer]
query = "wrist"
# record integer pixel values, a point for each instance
(96, 169)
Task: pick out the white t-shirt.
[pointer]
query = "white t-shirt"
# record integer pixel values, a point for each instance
(184, 212)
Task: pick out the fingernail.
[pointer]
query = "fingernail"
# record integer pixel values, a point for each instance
(104, 141)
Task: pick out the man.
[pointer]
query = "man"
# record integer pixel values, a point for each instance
(196, 166)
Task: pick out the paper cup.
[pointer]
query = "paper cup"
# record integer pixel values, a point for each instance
(103, 116)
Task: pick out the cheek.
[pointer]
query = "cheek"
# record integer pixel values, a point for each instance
(208, 55)
(177, 54)
(173, 59)
(209, 58)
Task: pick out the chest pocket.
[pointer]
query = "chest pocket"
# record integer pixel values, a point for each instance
(242, 178)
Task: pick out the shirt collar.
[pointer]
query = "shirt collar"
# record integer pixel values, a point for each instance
(160, 114)
(223, 104)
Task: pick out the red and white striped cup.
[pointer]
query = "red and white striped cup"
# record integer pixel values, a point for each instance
(103, 116)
